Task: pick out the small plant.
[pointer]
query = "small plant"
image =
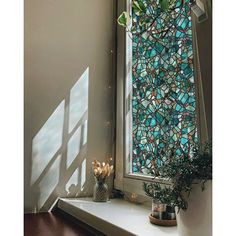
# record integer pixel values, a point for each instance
(182, 173)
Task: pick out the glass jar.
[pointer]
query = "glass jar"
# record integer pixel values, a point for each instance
(158, 209)
(100, 190)
(170, 213)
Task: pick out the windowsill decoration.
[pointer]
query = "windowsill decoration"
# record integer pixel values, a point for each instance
(101, 171)
(186, 175)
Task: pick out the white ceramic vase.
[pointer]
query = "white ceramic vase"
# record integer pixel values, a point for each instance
(197, 219)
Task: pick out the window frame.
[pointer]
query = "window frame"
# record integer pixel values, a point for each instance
(123, 181)
(133, 183)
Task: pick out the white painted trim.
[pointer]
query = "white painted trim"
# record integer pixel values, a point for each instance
(124, 180)
(119, 165)
(115, 218)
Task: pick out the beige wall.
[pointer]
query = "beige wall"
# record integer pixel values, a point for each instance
(68, 96)
(203, 70)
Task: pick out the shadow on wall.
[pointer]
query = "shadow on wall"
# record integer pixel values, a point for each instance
(59, 150)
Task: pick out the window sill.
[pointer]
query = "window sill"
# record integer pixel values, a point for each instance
(115, 217)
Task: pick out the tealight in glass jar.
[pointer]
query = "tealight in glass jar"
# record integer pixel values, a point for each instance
(158, 209)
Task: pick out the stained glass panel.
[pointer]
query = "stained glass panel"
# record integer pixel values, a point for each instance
(163, 91)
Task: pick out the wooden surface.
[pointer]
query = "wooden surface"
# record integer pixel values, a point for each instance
(51, 224)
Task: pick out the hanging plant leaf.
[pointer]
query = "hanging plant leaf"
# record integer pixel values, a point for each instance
(139, 7)
(136, 6)
(142, 6)
(124, 19)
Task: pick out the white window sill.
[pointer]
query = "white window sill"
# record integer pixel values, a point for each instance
(114, 218)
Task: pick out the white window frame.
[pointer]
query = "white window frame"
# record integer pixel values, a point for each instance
(124, 181)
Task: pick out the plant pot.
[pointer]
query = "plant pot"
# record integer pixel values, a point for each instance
(197, 219)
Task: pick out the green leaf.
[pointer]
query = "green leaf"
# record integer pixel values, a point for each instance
(164, 5)
(142, 6)
(139, 7)
(124, 19)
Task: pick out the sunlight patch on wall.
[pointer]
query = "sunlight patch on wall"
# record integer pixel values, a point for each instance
(49, 182)
(47, 142)
(73, 146)
(85, 126)
(72, 184)
(83, 174)
(78, 100)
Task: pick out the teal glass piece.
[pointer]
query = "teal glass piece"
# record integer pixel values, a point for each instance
(163, 101)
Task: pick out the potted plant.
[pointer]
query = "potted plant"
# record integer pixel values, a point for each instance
(189, 191)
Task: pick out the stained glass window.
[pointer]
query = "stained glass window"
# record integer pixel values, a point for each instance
(163, 90)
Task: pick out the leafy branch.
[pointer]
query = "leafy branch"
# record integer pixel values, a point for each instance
(139, 8)
(182, 172)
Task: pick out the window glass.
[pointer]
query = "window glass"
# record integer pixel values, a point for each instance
(163, 91)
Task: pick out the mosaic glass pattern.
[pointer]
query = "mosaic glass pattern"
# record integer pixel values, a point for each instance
(163, 99)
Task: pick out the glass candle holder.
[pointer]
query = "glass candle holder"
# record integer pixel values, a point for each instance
(170, 213)
(158, 209)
